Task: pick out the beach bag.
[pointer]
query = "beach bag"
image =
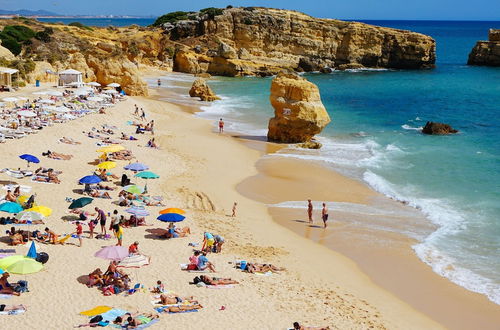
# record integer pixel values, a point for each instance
(42, 257)
(96, 319)
(22, 286)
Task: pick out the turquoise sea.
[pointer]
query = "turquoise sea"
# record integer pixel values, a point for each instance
(374, 137)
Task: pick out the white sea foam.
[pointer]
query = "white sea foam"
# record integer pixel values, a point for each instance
(408, 127)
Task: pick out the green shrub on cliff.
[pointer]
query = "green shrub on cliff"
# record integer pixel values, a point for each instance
(44, 35)
(13, 36)
(81, 26)
(212, 12)
(171, 17)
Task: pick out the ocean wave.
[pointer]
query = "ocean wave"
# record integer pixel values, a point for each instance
(408, 127)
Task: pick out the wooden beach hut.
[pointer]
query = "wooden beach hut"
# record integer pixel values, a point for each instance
(6, 77)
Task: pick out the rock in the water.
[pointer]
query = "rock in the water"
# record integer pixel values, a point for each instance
(486, 53)
(298, 111)
(311, 145)
(202, 90)
(438, 129)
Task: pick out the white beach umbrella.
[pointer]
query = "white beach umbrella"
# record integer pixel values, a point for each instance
(111, 91)
(40, 93)
(95, 99)
(62, 109)
(46, 101)
(113, 85)
(26, 113)
(94, 83)
(75, 83)
(22, 98)
(55, 93)
(49, 107)
(10, 99)
(106, 96)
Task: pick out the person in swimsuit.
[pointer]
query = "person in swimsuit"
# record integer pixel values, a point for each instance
(172, 299)
(221, 126)
(101, 217)
(5, 287)
(10, 196)
(78, 232)
(119, 234)
(217, 281)
(7, 308)
(52, 237)
(310, 210)
(234, 209)
(324, 214)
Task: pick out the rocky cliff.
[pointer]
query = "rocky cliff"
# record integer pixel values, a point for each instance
(201, 89)
(299, 113)
(486, 52)
(263, 41)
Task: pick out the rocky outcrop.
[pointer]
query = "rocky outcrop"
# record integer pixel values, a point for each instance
(263, 41)
(486, 53)
(5, 53)
(298, 111)
(311, 145)
(433, 128)
(202, 90)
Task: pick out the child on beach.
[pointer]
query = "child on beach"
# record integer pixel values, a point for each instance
(78, 232)
(159, 288)
(234, 209)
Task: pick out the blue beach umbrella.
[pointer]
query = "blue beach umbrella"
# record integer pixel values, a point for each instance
(32, 251)
(136, 167)
(171, 217)
(30, 159)
(90, 179)
(11, 207)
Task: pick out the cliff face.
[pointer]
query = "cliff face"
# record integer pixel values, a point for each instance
(486, 53)
(299, 113)
(262, 41)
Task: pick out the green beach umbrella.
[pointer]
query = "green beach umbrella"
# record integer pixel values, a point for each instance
(7, 261)
(23, 266)
(133, 189)
(147, 175)
(80, 202)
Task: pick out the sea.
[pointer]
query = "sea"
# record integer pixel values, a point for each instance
(374, 137)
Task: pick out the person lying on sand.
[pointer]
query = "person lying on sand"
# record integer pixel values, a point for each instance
(68, 140)
(172, 299)
(56, 155)
(96, 278)
(103, 187)
(127, 137)
(134, 322)
(5, 286)
(15, 237)
(122, 155)
(297, 326)
(104, 174)
(181, 308)
(49, 177)
(8, 308)
(261, 268)
(99, 194)
(217, 281)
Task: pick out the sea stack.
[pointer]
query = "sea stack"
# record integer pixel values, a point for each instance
(486, 53)
(202, 90)
(299, 113)
(433, 128)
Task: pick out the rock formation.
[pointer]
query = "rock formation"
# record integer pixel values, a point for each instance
(298, 111)
(433, 128)
(202, 90)
(5, 53)
(264, 41)
(486, 52)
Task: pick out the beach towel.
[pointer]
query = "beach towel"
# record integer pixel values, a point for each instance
(221, 286)
(145, 325)
(96, 311)
(14, 312)
(64, 239)
(35, 177)
(5, 296)
(162, 310)
(185, 266)
(112, 314)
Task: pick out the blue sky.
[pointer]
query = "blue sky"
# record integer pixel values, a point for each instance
(359, 9)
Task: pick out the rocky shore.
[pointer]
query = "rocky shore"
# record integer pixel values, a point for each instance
(486, 53)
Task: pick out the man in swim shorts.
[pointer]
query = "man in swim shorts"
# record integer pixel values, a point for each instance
(324, 214)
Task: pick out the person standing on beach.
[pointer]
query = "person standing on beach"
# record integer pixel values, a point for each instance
(310, 210)
(324, 214)
(143, 114)
(119, 234)
(79, 232)
(221, 126)
(159, 82)
(101, 217)
(136, 112)
(234, 209)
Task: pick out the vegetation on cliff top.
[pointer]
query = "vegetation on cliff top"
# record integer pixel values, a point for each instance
(13, 36)
(176, 16)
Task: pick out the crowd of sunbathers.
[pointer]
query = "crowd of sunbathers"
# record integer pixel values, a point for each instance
(47, 175)
(113, 281)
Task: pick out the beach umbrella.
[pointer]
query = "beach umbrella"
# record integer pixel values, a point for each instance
(30, 159)
(11, 207)
(110, 91)
(106, 96)
(171, 217)
(32, 251)
(134, 261)
(112, 253)
(41, 93)
(113, 85)
(107, 165)
(111, 148)
(62, 109)
(138, 211)
(29, 216)
(46, 211)
(26, 113)
(172, 210)
(133, 189)
(24, 266)
(55, 93)
(94, 83)
(90, 179)
(136, 167)
(7, 261)
(147, 175)
(80, 202)
(46, 101)
(10, 99)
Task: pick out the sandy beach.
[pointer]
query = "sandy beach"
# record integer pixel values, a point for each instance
(204, 173)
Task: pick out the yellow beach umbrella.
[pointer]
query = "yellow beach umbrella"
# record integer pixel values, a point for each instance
(103, 156)
(7, 261)
(46, 211)
(107, 165)
(111, 148)
(172, 210)
(24, 266)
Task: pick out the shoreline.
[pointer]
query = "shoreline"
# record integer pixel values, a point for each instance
(474, 309)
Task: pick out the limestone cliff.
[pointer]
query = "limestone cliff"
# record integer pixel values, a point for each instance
(486, 52)
(298, 111)
(202, 90)
(263, 41)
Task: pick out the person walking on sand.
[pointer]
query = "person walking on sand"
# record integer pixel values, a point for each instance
(101, 217)
(221, 126)
(324, 214)
(234, 209)
(310, 210)
(143, 114)
(119, 234)
(136, 112)
(79, 232)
